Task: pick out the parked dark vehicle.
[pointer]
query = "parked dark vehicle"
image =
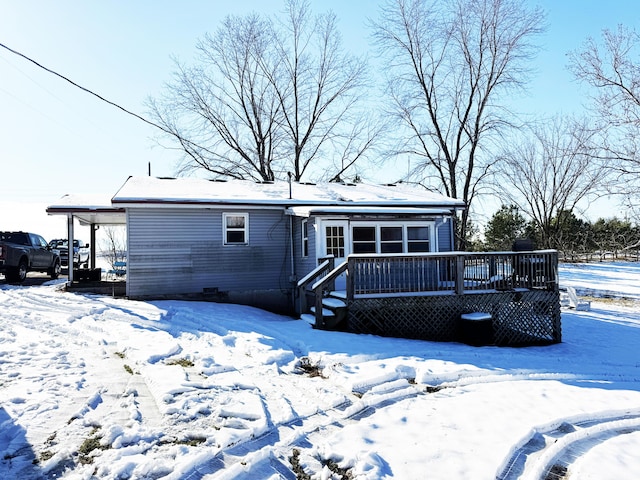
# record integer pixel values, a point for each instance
(80, 252)
(22, 252)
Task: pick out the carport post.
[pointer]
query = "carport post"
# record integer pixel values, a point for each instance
(92, 245)
(70, 246)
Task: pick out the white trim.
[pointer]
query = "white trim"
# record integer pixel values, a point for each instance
(304, 237)
(200, 206)
(321, 245)
(307, 211)
(433, 247)
(321, 249)
(244, 229)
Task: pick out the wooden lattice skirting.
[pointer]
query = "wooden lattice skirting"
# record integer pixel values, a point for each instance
(519, 317)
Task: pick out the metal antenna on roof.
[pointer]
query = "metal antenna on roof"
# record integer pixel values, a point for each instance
(290, 193)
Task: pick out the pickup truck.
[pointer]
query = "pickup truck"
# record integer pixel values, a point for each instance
(81, 252)
(22, 252)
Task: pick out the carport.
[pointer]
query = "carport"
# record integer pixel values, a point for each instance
(92, 211)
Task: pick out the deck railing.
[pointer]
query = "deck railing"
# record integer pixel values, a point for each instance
(398, 294)
(450, 272)
(447, 273)
(325, 266)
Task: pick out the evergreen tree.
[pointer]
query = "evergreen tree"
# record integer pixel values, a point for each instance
(504, 227)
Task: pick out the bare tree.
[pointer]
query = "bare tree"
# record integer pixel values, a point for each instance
(269, 97)
(318, 87)
(611, 67)
(114, 245)
(223, 113)
(449, 64)
(549, 172)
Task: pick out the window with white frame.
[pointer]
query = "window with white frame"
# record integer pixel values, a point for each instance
(418, 239)
(364, 239)
(305, 238)
(334, 239)
(235, 228)
(391, 237)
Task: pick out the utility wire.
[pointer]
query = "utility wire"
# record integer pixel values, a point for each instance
(139, 117)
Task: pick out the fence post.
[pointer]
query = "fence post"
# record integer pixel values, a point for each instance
(554, 269)
(459, 274)
(350, 278)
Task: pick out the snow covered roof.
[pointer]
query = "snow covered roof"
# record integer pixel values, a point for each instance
(89, 209)
(141, 191)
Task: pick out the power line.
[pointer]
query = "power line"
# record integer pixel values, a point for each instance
(91, 92)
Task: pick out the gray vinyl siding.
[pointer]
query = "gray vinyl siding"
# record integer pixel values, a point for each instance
(444, 235)
(304, 264)
(181, 251)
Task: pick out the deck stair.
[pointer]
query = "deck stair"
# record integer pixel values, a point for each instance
(334, 312)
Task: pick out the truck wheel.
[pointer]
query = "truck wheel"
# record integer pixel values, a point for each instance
(18, 274)
(54, 272)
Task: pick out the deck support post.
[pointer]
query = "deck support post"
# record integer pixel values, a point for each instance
(319, 323)
(459, 274)
(350, 279)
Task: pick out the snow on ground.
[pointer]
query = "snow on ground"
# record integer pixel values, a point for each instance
(97, 387)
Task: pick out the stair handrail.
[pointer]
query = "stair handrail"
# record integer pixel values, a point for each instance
(326, 265)
(319, 288)
(306, 280)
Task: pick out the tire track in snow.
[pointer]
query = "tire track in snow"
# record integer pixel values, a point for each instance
(548, 453)
(466, 379)
(122, 399)
(269, 453)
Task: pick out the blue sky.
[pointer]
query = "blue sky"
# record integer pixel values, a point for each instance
(56, 139)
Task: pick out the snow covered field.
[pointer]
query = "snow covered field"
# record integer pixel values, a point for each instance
(96, 387)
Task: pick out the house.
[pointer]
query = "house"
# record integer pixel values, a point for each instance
(249, 242)
(371, 258)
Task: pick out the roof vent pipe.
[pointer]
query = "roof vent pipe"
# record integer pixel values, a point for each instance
(290, 193)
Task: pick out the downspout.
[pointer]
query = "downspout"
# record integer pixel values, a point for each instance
(293, 278)
(438, 225)
(452, 233)
(441, 223)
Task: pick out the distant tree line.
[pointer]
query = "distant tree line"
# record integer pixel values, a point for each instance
(574, 238)
(278, 97)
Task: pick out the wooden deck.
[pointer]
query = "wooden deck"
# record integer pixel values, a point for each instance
(424, 295)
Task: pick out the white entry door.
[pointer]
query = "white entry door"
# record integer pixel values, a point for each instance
(336, 242)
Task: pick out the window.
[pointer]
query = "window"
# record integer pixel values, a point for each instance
(390, 237)
(37, 241)
(364, 239)
(305, 238)
(335, 241)
(236, 228)
(418, 239)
